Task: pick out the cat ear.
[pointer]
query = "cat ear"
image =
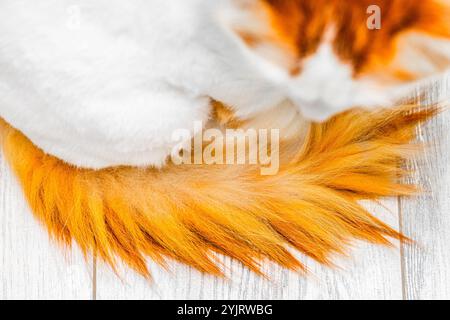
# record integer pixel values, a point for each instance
(420, 56)
(422, 51)
(255, 25)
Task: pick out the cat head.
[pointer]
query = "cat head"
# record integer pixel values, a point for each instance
(332, 55)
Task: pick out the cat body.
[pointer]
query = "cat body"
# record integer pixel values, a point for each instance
(111, 90)
(105, 83)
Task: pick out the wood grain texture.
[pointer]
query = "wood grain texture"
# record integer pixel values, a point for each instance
(371, 273)
(426, 218)
(32, 267)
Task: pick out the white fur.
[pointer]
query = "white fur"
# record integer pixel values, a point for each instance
(326, 86)
(111, 89)
(110, 86)
(422, 55)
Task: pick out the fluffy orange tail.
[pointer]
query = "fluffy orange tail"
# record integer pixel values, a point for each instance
(189, 213)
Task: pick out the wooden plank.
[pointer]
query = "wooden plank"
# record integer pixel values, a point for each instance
(426, 218)
(370, 273)
(31, 267)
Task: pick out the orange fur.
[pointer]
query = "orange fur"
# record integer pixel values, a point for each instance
(299, 27)
(188, 213)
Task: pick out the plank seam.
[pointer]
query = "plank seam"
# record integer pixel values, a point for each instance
(402, 251)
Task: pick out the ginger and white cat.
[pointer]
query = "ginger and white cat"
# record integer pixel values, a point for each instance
(100, 83)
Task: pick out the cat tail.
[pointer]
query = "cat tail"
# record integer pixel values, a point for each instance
(192, 213)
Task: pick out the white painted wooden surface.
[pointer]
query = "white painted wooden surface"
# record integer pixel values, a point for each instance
(372, 281)
(32, 267)
(426, 266)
